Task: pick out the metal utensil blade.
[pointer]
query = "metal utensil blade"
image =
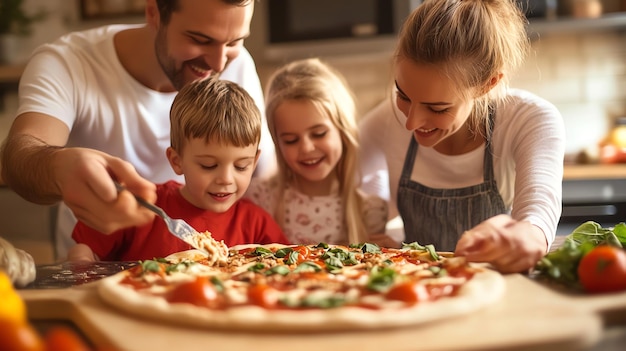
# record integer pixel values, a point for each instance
(177, 227)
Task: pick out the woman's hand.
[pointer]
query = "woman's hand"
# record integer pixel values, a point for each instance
(510, 246)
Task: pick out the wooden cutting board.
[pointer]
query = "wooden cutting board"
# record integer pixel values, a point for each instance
(529, 317)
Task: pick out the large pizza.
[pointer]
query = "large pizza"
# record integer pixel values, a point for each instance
(305, 287)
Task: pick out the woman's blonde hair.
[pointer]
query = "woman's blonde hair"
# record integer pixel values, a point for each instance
(316, 82)
(215, 110)
(471, 42)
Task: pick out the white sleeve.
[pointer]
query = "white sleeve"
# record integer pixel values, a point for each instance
(532, 140)
(384, 142)
(375, 213)
(242, 71)
(374, 172)
(47, 86)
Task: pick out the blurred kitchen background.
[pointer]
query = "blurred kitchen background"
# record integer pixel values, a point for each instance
(578, 63)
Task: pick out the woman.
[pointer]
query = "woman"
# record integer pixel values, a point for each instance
(482, 167)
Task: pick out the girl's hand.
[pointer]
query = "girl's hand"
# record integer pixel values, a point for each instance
(510, 246)
(383, 240)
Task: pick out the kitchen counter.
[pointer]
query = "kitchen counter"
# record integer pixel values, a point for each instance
(594, 171)
(548, 321)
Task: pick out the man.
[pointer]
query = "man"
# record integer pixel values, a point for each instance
(94, 105)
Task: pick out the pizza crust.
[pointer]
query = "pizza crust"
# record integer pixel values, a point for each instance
(485, 288)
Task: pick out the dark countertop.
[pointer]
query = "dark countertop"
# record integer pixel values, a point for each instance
(67, 274)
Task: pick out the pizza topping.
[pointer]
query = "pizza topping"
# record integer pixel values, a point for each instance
(199, 292)
(409, 292)
(218, 251)
(263, 296)
(306, 277)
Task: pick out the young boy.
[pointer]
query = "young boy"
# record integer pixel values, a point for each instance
(215, 134)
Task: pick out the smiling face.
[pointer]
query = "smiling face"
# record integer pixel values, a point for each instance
(437, 116)
(201, 38)
(216, 174)
(309, 143)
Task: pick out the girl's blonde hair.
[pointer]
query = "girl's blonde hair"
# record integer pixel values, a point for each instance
(471, 42)
(215, 110)
(314, 81)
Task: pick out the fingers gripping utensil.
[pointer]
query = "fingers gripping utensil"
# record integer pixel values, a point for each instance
(178, 227)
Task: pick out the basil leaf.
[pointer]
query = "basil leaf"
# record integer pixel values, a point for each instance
(280, 253)
(333, 264)
(381, 278)
(257, 267)
(292, 258)
(345, 257)
(323, 302)
(321, 245)
(413, 246)
(307, 266)
(438, 271)
(620, 233)
(219, 285)
(150, 266)
(263, 252)
(433, 253)
(280, 269)
(178, 267)
(371, 248)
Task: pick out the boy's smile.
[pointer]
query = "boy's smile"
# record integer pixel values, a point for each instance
(216, 174)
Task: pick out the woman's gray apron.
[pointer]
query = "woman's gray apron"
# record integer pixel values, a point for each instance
(440, 216)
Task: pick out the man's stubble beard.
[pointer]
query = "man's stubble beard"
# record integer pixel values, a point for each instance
(176, 76)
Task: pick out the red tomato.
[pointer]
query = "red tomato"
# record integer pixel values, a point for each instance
(603, 269)
(263, 296)
(199, 292)
(64, 339)
(19, 337)
(409, 292)
(303, 252)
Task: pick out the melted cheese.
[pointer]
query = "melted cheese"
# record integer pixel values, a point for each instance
(218, 251)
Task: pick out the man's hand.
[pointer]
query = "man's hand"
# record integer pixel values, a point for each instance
(84, 178)
(37, 166)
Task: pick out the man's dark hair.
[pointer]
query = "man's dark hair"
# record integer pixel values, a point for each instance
(167, 7)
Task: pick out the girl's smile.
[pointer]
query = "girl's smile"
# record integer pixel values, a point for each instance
(310, 144)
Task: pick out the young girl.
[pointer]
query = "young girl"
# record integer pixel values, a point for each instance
(476, 167)
(315, 197)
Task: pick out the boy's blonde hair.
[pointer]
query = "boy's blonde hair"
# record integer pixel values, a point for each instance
(325, 88)
(215, 110)
(470, 41)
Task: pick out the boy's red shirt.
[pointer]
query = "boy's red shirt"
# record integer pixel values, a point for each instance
(243, 223)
